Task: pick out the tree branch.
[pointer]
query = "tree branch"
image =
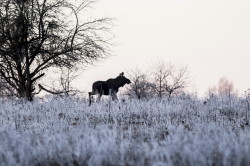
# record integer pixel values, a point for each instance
(50, 91)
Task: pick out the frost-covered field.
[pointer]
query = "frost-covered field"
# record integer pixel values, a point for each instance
(182, 131)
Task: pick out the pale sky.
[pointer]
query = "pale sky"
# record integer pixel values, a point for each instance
(212, 37)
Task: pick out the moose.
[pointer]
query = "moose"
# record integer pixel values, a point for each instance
(109, 87)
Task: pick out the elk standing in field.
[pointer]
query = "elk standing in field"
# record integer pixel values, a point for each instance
(109, 87)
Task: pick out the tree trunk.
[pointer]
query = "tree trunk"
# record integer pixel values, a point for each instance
(25, 89)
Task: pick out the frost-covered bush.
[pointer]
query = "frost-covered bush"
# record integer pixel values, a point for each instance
(181, 131)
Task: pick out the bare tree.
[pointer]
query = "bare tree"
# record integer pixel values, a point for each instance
(36, 35)
(169, 79)
(224, 87)
(140, 86)
(65, 80)
(67, 76)
(160, 73)
(178, 80)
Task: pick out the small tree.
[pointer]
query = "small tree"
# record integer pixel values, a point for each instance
(178, 80)
(36, 35)
(224, 87)
(139, 86)
(62, 82)
(169, 79)
(67, 76)
(160, 74)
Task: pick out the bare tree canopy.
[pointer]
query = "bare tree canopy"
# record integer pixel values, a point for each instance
(169, 78)
(162, 79)
(140, 86)
(36, 35)
(224, 87)
(160, 73)
(178, 80)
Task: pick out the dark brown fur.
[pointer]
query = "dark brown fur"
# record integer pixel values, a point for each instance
(109, 87)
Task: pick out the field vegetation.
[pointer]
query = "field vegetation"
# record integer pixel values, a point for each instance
(183, 130)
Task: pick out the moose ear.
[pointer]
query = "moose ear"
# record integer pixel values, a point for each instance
(122, 74)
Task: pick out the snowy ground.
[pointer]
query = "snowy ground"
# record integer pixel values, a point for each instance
(182, 131)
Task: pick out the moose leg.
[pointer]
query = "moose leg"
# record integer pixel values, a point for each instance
(113, 95)
(99, 97)
(90, 97)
